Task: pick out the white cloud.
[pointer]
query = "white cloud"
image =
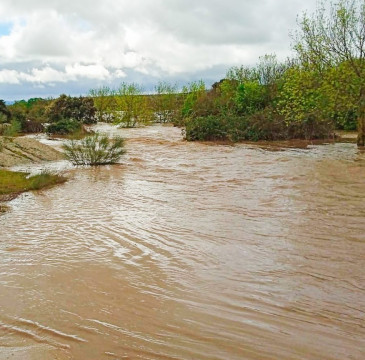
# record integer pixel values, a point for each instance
(87, 71)
(48, 74)
(9, 77)
(55, 41)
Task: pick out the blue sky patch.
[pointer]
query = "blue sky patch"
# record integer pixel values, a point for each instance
(5, 28)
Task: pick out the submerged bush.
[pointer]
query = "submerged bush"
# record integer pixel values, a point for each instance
(64, 127)
(95, 150)
(209, 128)
(262, 125)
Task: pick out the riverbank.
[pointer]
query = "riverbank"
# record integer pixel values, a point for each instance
(278, 145)
(13, 183)
(23, 150)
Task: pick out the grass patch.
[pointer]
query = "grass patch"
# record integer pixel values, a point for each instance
(17, 182)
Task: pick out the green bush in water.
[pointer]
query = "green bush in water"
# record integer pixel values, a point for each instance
(95, 150)
(206, 128)
(64, 127)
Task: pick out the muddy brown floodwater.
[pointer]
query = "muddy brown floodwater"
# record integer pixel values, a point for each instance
(190, 251)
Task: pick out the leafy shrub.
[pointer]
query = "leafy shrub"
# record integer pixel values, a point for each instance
(250, 97)
(191, 94)
(311, 128)
(206, 128)
(346, 120)
(14, 128)
(64, 127)
(3, 128)
(32, 126)
(80, 109)
(95, 150)
(262, 125)
(266, 124)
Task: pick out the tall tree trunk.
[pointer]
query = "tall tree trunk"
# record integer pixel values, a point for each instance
(361, 119)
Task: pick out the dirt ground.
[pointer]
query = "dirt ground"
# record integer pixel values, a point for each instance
(22, 150)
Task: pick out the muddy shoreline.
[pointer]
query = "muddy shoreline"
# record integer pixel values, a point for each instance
(22, 150)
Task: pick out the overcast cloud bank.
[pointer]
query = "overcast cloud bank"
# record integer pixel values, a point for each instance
(53, 47)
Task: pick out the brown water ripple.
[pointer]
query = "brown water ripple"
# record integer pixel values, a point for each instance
(186, 250)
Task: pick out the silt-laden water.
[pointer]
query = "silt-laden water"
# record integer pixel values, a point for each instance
(190, 251)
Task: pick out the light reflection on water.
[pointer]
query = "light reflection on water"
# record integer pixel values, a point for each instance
(189, 251)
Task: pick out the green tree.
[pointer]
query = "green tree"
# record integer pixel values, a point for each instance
(132, 105)
(256, 87)
(80, 109)
(304, 102)
(30, 114)
(165, 102)
(104, 102)
(333, 37)
(250, 97)
(191, 94)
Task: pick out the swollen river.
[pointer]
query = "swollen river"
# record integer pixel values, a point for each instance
(189, 251)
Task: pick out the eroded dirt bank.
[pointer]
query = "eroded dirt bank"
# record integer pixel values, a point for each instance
(22, 150)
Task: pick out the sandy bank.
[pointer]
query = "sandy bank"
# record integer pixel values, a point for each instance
(22, 150)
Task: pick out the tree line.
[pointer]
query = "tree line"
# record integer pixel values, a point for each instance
(319, 90)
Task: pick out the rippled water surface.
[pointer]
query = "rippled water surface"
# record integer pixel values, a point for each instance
(190, 251)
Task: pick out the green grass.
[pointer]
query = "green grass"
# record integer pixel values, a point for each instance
(16, 182)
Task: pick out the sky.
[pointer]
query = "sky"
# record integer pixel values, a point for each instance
(51, 47)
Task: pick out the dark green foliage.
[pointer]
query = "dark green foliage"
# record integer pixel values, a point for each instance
(250, 97)
(4, 112)
(18, 112)
(64, 127)
(233, 128)
(95, 150)
(208, 128)
(13, 129)
(262, 125)
(80, 109)
(346, 120)
(30, 114)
